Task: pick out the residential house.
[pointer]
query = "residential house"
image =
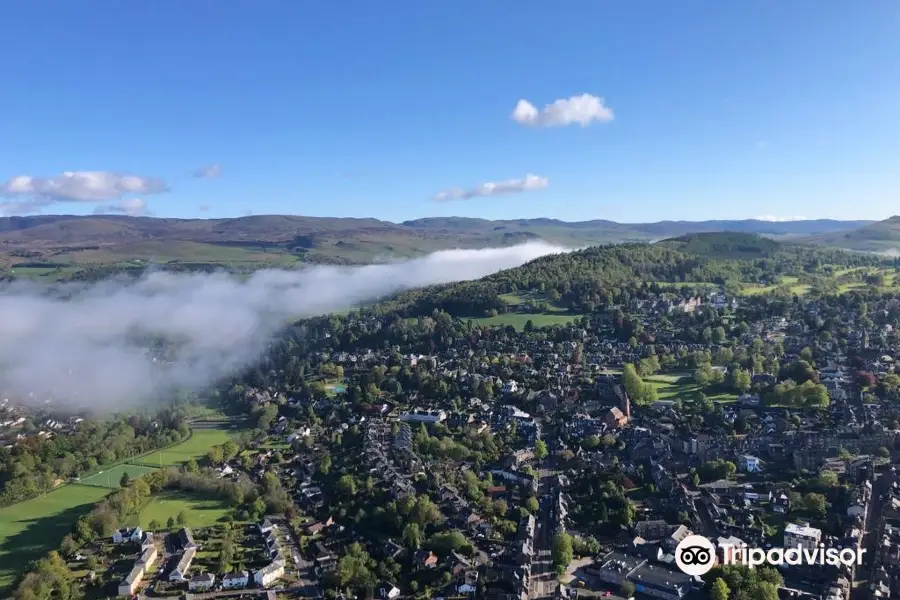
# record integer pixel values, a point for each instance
(235, 580)
(201, 583)
(129, 585)
(121, 536)
(269, 574)
(388, 591)
(179, 573)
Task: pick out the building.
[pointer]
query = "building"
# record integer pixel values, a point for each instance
(236, 580)
(179, 573)
(403, 441)
(129, 585)
(750, 464)
(269, 574)
(615, 418)
(147, 558)
(185, 539)
(203, 582)
(127, 534)
(801, 535)
(265, 527)
(423, 416)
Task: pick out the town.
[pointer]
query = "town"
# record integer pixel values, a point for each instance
(387, 456)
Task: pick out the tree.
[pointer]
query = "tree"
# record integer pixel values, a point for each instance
(346, 486)
(626, 589)
(125, 479)
(719, 590)
(170, 523)
(69, 546)
(562, 552)
(182, 518)
(540, 450)
(531, 505)
(155, 525)
(412, 536)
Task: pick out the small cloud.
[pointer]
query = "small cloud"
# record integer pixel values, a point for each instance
(584, 110)
(762, 145)
(133, 207)
(499, 188)
(774, 219)
(204, 208)
(212, 171)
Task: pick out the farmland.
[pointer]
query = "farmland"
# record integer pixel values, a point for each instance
(28, 529)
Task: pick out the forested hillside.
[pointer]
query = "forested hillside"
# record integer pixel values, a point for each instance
(579, 281)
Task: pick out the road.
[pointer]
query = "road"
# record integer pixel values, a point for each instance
(543, 577)
(880, 488)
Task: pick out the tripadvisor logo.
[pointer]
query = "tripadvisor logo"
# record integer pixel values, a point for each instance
(696, 555)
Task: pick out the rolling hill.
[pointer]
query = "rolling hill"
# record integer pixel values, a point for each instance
(76, 241)
(882, 236)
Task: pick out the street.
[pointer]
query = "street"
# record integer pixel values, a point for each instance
(543, 577)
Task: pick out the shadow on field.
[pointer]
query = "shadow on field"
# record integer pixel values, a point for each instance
(39, 536)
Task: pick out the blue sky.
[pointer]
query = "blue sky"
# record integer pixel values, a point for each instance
(361, 108)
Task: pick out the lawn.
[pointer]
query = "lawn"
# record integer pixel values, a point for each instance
(195, 447)
(680, 386)
(200, 512)
(110, 478)
(28, 529)
(518, 320)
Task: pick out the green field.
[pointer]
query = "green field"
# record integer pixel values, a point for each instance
(28, 529)
(680, 386)
(200, 512)
(195, 447)
(111, 477)
(518, 320)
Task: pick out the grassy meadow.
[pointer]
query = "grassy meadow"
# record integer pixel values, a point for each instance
(29, 529)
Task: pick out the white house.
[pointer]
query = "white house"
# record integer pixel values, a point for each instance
(269, 574)
(388, 591)
(202, 582)
(126, 534)
(236, 580)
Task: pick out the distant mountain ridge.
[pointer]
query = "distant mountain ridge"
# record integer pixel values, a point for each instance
(880, 236)
(104, 238)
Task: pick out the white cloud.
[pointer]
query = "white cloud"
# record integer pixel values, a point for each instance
(495, 188)
(135, 207)
(212, 171)
(82, 186)
(29, 194)
(774, 219)
(86, 343)
(762, 145)
(584, 110)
